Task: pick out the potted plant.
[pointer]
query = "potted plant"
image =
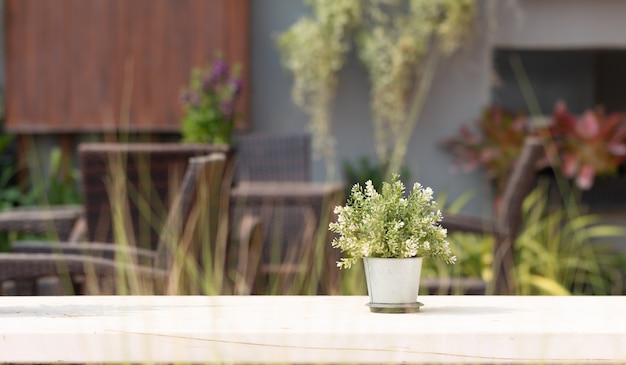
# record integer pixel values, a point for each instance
(392, 232)
(209, 101)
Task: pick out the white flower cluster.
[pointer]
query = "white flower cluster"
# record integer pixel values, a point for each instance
(390, 224)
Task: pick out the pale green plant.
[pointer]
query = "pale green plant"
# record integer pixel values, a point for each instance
(314, 50)
(390, 224)
(393, 43)
(392, 38)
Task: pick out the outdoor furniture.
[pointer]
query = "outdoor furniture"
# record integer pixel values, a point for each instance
(312, 330)
(290, 262)
(505, 228)
(143, 179)
(156, 163)
(152, 164)
(60, 220)
(164, 269)
(273, 157)
(273, 181)
(147, 178)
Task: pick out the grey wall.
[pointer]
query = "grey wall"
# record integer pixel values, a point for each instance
(460, 90)
(561, 24)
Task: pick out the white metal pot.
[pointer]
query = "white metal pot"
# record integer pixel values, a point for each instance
(393, 280)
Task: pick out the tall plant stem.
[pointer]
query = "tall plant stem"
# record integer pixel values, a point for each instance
(424, 81)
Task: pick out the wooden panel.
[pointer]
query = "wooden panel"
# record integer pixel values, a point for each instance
(237, 47)
(107, 65)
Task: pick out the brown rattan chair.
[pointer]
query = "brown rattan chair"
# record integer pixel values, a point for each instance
(61, 221)
(273, 157)
(149, 168)
(273, 181)
(151, 173)
(68, 223)
(505, 229)
(166, 268)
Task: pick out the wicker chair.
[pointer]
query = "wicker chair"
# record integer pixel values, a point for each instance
(61, 221)
(163, 268)
(505, 229)
(270, 157)
(151, 172)
(292, 218)
(67, 222)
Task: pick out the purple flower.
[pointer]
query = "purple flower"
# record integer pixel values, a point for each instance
(194, 99)
(237, 86)
(226, 107)
(220, 70)
(208, 83)
(184, 97)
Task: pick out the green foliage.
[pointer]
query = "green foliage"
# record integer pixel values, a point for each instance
(10, 194)
(558, 252)
(62, 185)
(56, 187)
(209, 103)
(474, 253)
(561, 251)
(388, 224)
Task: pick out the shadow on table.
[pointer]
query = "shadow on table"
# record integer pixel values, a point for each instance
(459, 310)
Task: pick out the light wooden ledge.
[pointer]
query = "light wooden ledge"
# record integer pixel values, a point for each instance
(311, 329)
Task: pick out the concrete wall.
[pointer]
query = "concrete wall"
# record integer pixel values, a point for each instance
(561, 24)
(461, 89)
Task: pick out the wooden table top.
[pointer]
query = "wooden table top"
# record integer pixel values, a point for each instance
(311, 329)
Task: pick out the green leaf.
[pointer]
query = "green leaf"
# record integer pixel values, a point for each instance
(547, 286)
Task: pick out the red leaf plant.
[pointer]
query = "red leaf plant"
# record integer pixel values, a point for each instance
(492, 142)
(591, 145)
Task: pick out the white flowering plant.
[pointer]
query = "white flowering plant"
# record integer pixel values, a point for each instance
(390, 224)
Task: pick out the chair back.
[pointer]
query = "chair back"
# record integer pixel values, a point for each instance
(194, 238)
(509, 213)
(289, 229)
(268, 157)
(128, 188)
